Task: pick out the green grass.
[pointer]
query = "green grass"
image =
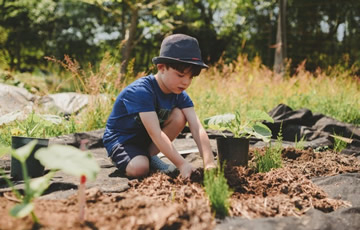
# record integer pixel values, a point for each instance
(271, 159)
(246, 85)
(239, 86)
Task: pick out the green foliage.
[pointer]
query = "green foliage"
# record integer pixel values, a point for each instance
(251, 125)
(272, 157)
(218, 191)
(68, 159)
(37, 125)
(33, 188)
(339, 143)
(56, 157)
(300, 144)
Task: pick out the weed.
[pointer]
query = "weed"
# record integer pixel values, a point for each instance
(339, 143)
(218, 191)
(300, 144)
(272, 157)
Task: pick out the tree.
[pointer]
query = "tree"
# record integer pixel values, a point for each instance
(280, 46)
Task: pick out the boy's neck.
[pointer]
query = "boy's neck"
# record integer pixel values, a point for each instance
(161, 84)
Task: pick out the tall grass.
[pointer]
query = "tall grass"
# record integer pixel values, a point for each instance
(244, 85)
(241, 85)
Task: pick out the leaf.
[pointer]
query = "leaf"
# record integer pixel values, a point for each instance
(258, 115)
(40, 184)
(21, 210)
(69, 159)
(262, 131)
(24, 152)
(220, 120)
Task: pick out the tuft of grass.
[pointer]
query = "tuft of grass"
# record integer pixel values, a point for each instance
(339, 143)
(300, 144)
(218, 191)
(272, 157)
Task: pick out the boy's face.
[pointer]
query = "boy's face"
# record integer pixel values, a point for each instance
(173, 81)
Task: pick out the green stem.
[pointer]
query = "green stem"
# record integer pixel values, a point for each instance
(26, 181)
(34, 217)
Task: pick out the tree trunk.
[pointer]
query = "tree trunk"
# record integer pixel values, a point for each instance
(280, 47)
(129, 43)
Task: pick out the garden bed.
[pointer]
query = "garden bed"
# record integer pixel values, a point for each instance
(168, 202)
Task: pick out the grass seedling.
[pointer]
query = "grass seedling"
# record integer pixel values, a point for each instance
(300, 144)
(272, 157)
(339, 144)
(218, 191)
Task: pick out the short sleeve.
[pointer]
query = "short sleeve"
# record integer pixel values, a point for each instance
(139, 98)
(184, 101)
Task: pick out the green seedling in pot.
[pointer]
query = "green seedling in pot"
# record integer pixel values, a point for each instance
(56, 157)
(250, 125)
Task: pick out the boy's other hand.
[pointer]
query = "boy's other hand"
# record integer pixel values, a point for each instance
(185, 170)
(210, 166)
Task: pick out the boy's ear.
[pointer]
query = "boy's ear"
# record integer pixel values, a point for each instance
(160, 66)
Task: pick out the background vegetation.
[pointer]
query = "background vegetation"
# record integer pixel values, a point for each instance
(322, 32)
(98, 47)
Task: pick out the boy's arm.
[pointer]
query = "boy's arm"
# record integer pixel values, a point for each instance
(201, 138)
(161, 140)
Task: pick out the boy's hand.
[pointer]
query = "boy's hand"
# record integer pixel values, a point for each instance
(209, 166)
(186, 170)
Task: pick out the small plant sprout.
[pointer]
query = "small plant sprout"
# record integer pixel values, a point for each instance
(300, 144)
(250, 125)
(33, 188)
(56, 157)
(218, 191)
(340, 142)
(72, 161)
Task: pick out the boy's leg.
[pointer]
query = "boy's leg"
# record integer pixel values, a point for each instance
(131, 159)
(138, 166)
(172, 127)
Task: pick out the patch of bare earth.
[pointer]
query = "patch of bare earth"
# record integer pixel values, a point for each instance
(167, 202)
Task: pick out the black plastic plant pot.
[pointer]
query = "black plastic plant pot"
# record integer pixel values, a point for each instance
(34, 167)
(233, 151)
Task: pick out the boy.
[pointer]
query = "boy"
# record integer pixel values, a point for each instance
(151, 112)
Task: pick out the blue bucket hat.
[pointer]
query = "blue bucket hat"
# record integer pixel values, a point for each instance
(180, 48)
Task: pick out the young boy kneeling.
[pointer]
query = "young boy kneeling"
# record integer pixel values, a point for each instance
(151, 112)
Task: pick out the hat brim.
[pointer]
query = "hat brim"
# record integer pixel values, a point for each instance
(165, 60)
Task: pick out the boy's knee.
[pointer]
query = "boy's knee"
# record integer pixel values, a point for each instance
(138, 167)
(177, 116)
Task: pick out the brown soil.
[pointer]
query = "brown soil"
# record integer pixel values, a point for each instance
(168, 202)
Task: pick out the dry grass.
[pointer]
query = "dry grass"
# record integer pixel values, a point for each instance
(244, 85)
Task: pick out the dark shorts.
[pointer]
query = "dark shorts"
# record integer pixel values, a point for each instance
(122, 154)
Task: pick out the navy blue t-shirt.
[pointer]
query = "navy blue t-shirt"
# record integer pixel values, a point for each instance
(143, 95)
